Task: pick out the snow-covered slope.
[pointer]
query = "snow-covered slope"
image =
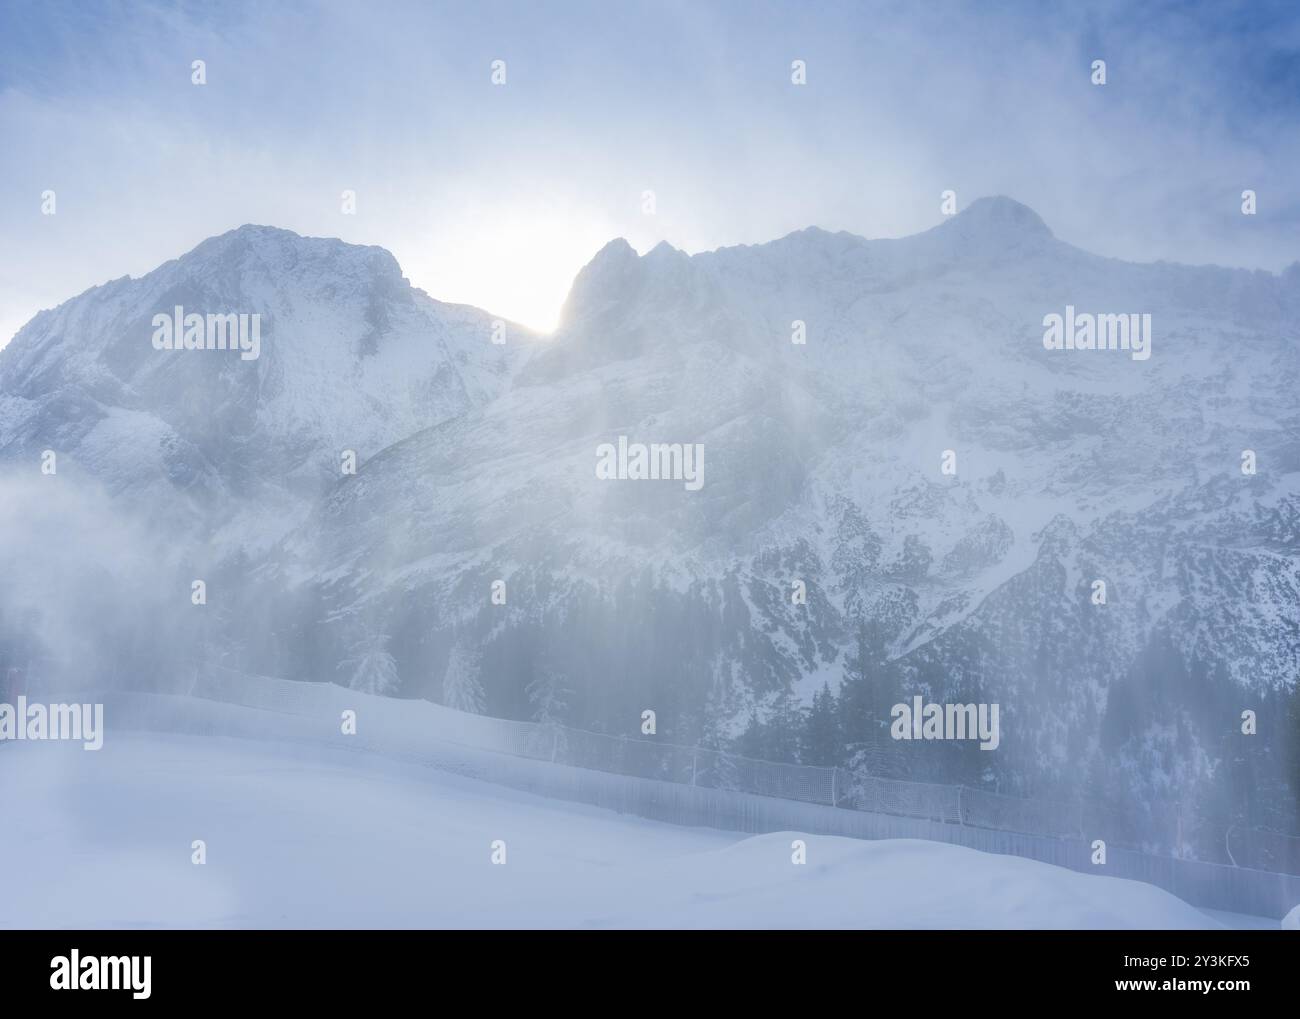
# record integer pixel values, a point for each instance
(319, 838)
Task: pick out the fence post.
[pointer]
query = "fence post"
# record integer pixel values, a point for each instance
(555, 743)
(695, 758)
(834, 800)
(961, 813)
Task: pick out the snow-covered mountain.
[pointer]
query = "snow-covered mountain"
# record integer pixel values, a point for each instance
(352, 357)
(822, 464)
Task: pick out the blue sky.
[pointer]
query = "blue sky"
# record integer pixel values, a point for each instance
(496, 195)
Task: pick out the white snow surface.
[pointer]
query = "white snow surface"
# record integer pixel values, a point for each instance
(317, 837)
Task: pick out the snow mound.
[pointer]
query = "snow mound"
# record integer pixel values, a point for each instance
(309, 837)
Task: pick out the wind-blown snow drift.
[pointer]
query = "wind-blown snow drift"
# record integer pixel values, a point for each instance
(309, 838)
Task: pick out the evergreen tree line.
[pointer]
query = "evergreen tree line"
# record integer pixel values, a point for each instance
(1156, 715)
(850, 728)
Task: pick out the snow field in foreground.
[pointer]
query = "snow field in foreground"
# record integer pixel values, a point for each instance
(316, 837)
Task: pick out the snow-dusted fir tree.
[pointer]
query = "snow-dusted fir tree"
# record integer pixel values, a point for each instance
(370, 668)
(547, 696)
(713, 765)
(460, 684)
